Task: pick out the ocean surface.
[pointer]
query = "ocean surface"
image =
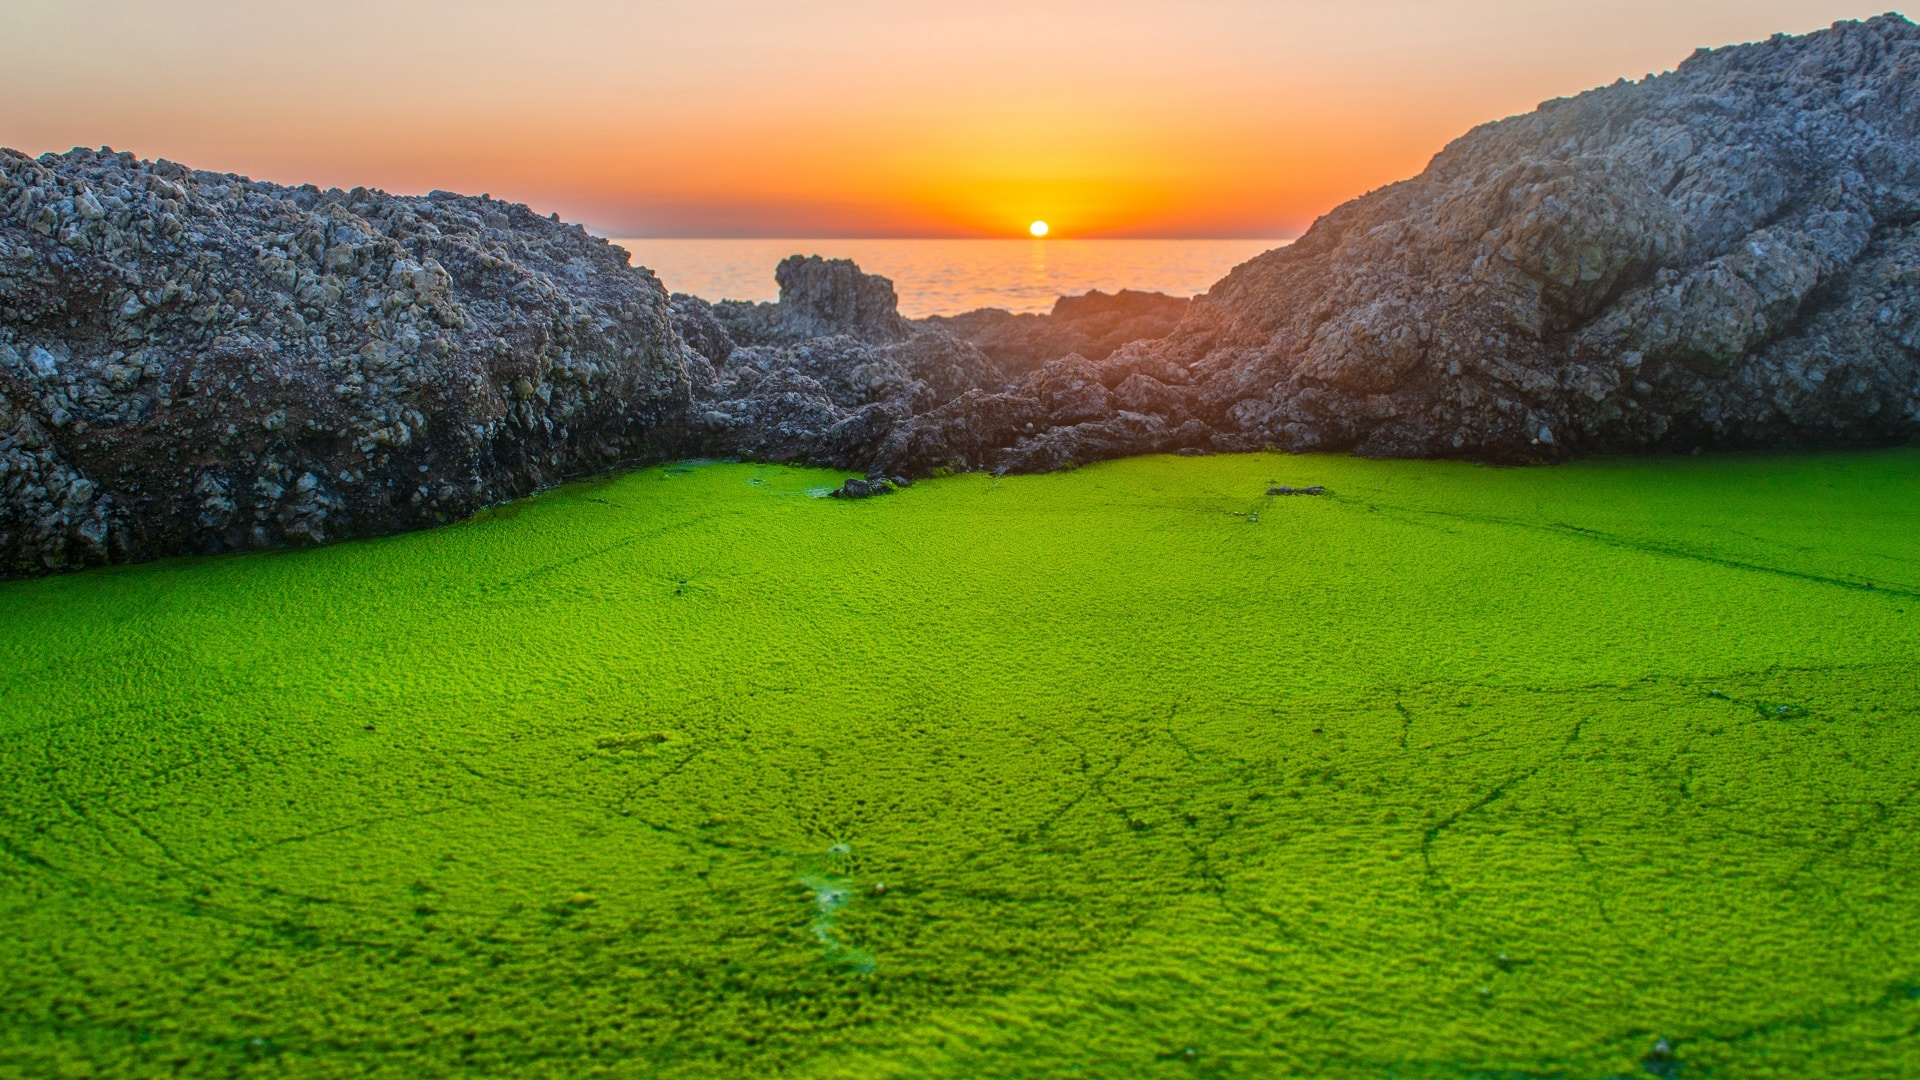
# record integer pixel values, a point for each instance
(946, 277)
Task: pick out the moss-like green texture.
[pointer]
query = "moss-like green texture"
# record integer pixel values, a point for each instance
(1127, 772)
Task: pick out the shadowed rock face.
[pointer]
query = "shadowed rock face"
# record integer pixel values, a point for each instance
(1728, 256)
(1091, 326)
(829, 375)
(197, 362)
(1722, 256)
(818, 298)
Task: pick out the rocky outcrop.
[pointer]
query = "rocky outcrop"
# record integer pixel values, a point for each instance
(818, 298)
(1724, 256)
(198, 362)
(1727, 255)
(861, 398)
(830, 374)
(1092, 325)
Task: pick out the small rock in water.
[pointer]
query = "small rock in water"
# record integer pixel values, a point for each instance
(852, 489)
(1285, 489)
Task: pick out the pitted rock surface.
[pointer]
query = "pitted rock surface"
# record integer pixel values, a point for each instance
(835, 401)
(1091, 325)
(818, 298)
(196, 362)
(1727, 255)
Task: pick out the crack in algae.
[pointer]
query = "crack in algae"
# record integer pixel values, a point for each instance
(1652, 547)
(1040, 835)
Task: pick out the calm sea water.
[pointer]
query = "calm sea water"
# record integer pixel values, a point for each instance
(946, 277)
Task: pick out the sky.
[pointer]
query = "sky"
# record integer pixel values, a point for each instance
(839, 118)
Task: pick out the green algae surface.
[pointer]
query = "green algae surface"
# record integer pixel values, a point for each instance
(1603, 770)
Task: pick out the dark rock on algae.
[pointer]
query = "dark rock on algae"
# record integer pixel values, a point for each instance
(1727, 255)
(853, 488)
(194, 362)
(1092, 325)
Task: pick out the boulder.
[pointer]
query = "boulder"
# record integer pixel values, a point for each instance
(1092, 325)
(1726, 255)
(194, 362)
(819, 298)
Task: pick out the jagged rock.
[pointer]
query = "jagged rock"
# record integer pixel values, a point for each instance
(198, 362)
(838, 400)
(1092, 326)
(694, 321)
(1726, 255)
(818, 298)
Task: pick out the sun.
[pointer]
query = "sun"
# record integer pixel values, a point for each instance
(1038, 228)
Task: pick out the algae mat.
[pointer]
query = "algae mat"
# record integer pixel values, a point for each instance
(1600, 770)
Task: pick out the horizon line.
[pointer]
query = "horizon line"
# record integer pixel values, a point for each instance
(606, 235)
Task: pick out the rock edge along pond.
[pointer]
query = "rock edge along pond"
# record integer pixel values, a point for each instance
(1724, 256)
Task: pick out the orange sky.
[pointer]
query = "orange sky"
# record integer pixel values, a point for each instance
(838, 117)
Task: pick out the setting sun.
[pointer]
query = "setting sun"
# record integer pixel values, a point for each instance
(1038, 228)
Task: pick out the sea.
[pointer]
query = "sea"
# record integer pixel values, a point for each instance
(946, 277)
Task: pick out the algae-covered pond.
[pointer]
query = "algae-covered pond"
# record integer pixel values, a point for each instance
(1126, 772)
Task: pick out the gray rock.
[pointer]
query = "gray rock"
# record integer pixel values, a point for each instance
(818, 298)
(840, 400)
(1092, 325)
(1727, 255)
(196, 362)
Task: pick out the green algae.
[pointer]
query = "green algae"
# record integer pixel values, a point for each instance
(1132, 771)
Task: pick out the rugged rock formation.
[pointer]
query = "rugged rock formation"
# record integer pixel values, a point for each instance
(1090, 326)
(198, 362)
(818, 298)
(861, 398)
(829, 375)
(1727, 255)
